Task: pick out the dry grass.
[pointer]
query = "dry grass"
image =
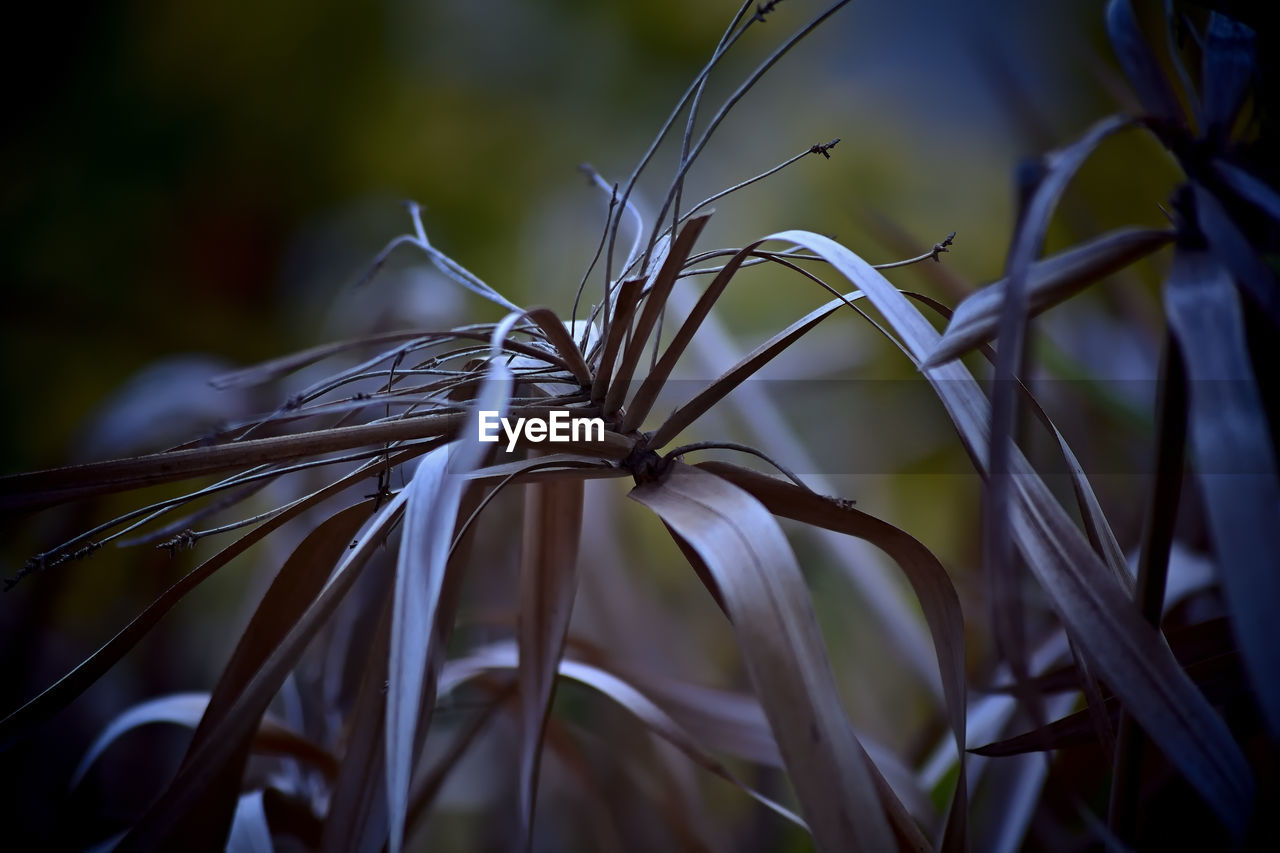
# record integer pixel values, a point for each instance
(388, 635)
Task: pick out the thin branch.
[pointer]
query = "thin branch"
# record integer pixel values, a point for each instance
(742, 90)
(680, 451)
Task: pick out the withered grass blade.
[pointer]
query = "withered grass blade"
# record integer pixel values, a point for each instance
(773, 619)
(1129, 655)
(548, 584)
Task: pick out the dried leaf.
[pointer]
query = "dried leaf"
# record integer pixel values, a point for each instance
(548, 583)
(204, 763)
(654, 304)
(291, 592)
(1248, 187)
(1128, 654)
(768, 603)
(433, 500)
(277, 367)
(742, 371)
(928, 578)
(503, 656)
(1237, 253)
(273, 736)
(656, 379)
(58, 695)
(25, 492)
(357, 818)
(560, 338)
(1049, 281)
(628, 295)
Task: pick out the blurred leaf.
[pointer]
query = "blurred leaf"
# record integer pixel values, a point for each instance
(1219, 676)
(1003, 580)
(291, 592)
(1248, 187)
(1234, 250)
(764, 593)
(1049, 281)
(1234, 460)
(1230, 63)
(1140, 64)
(1164, 495)
(736, 724)
(504, 656)
(290, 595)
(250, 832)
(185, 709)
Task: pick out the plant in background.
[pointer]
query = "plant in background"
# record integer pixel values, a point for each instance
(361, 643)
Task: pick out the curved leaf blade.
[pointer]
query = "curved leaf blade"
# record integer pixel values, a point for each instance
(1140, 65)
(1130, 656)
(548, 583)
(502, 656)
(433, 498)
(1234, 461)
(930, 581)
(1049, 281)
(768, 603)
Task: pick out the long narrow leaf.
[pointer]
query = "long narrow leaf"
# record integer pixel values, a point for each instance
(250, 832)
(58, 695)
(1006, 606)
(503, 656)
(58, 485)
(204, 763)
(292, 591)
(357, 818)
(653, 383)
(764, 592)
(1140, 65)
(1234, 461)
(1049, 281)
(747, 367)
(1230, 63)
(1128, 654)
(1233, 249)
(185, 709)
(548, 583)
(655, 303)
(433, 500)
(926, 574)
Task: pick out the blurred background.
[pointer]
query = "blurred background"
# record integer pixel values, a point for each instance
(191, 188)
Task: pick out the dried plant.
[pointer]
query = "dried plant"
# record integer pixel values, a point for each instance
(403, 410)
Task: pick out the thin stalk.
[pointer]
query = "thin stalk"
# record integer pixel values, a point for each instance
(720, 116)
(1153, 570)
